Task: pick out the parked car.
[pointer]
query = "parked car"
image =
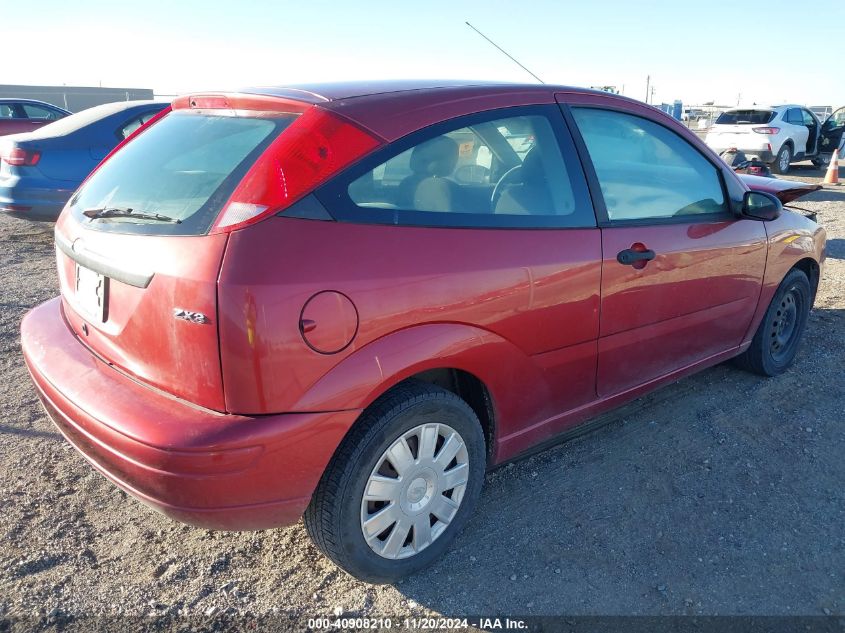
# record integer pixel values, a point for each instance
(778, 135)
(40, 170)
(26, 115)
(259, 319)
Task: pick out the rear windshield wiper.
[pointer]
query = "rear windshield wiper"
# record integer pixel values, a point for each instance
(114, 212)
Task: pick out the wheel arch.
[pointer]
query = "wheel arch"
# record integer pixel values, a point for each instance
(496, 379)
(470, 389)
(811, 268)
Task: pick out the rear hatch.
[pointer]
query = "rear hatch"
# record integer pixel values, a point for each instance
(733, 127)
(138, 258)
(141, 243)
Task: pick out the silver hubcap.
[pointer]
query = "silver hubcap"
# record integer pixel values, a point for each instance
(784, 160)
(414, 491)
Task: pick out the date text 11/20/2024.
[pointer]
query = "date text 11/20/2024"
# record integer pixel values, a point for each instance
(415, 624)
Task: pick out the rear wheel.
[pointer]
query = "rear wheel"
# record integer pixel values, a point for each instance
(776, 341)
(401, 485)
(783, 159)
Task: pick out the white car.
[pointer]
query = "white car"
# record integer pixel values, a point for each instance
(778, 135)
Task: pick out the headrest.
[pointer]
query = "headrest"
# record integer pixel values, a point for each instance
(436, 157)
(532, 168)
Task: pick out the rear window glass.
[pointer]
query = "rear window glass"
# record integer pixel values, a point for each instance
(740, 117)
(70, 124)
(184, 167)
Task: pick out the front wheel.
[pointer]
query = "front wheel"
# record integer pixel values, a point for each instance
(401, 486)
(775, 343)
(821, 162)
(784, 158)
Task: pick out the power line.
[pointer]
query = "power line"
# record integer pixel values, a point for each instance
(513, 59)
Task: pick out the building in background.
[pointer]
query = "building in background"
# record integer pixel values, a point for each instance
(74, 98)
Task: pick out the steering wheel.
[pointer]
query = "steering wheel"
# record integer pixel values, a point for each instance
(511, 176)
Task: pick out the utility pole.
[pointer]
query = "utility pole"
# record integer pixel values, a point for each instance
(647, 87)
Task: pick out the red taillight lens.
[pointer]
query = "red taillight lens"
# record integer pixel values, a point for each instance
(20, 157)
(311, 150)
(766, 130)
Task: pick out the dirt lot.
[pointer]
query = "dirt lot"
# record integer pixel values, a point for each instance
(721, 494)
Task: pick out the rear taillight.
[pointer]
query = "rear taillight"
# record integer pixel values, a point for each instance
(20, 157)
(311, 150)
(766, 130)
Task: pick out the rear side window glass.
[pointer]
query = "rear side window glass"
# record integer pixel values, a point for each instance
(645, 170)
(134, 124)
(184, 167)
(748, 117)
(497, 172)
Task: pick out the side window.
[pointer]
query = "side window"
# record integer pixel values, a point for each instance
(134, 124)
(39, 112)
(496, 172)
(835, 121)
(793, 115)
(6, 111)
(645, 170)
(130, 127)
(808, 118)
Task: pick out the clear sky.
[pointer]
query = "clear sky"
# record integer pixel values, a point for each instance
(695, 51)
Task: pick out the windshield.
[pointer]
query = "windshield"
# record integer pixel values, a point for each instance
(752, 117)
(184, 167)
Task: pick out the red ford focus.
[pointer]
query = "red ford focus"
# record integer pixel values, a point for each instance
(350, 301)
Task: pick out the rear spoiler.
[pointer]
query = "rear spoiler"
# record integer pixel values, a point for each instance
(785, 190)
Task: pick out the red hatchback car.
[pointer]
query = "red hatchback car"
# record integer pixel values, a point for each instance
(350, 301)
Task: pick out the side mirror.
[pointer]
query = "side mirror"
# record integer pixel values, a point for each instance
(759, 205)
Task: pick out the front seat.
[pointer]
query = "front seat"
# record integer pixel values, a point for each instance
(428, 188)
(529, 196)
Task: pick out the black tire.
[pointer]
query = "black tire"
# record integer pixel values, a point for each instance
(773, 349)
(782, 160)
(333, 519)
(822, 162)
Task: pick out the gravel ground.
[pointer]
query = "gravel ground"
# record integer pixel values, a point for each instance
(720, 494)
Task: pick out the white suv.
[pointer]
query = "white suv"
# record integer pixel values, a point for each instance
(778, 135)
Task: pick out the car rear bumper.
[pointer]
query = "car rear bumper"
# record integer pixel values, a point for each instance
(198, 466)
(33, 203)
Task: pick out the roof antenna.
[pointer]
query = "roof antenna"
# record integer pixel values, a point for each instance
(505, 52)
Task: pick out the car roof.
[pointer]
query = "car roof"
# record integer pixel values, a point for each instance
(86, 118)
(31, 101)
(392, 109)
(764, 106)
(333, 91)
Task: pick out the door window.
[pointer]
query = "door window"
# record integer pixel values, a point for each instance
(39, 112)
(808, 118)
(645, 170)
(479, 171)
(793, 115)
(836, 120)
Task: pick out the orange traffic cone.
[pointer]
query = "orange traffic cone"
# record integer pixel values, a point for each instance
(832, 175)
